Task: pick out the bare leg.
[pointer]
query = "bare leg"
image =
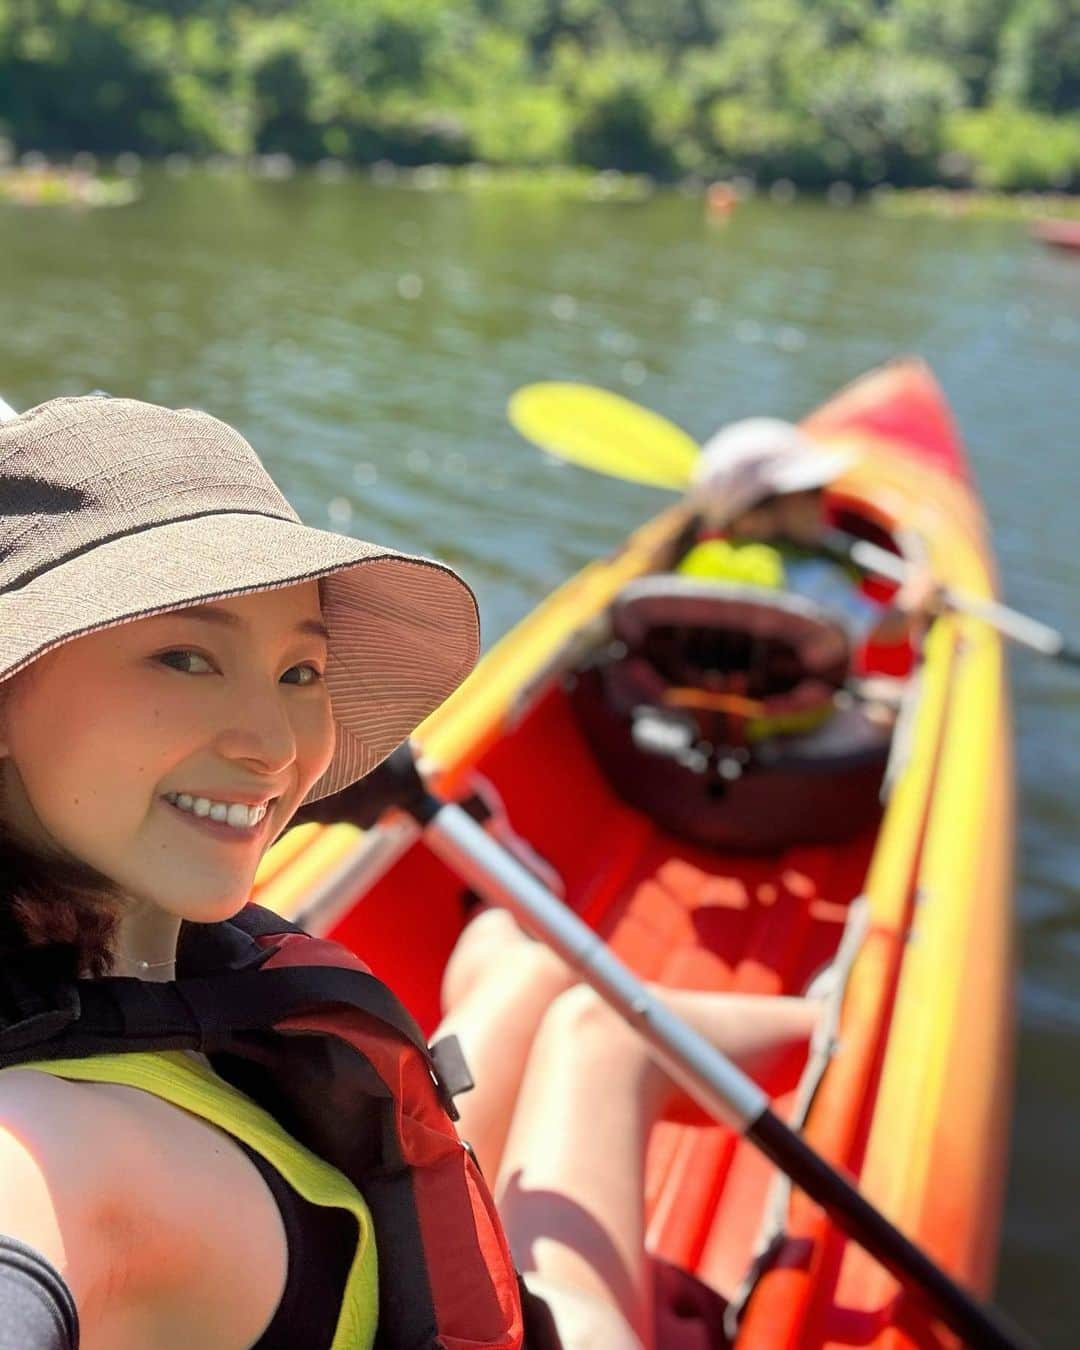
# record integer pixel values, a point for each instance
(567, 1096)
(571, 1182)
(483, 941)
(497, 987)
(499, 984)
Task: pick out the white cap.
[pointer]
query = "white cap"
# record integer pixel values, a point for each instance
(761, 457)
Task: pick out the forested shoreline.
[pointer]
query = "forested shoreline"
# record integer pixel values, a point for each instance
(980, 93)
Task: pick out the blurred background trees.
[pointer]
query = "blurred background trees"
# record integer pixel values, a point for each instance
(985, 92)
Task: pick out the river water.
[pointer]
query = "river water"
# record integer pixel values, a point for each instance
(366, 339)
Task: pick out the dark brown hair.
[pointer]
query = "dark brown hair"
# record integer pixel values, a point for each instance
(62, 914)
(58, 916)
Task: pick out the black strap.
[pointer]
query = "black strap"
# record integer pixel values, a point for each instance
(202, 1013)
(208, 948)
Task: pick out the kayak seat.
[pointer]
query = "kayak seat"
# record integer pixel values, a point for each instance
(720, 712)
(690, 612)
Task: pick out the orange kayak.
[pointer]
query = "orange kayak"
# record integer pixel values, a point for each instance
(914, 1100)
(1058, 233)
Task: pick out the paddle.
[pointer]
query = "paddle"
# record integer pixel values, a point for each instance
(708, 1076)
(612, 435)
(1022, 629)
(604, 432)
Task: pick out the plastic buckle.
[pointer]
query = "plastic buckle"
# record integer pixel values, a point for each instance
(451, 1073)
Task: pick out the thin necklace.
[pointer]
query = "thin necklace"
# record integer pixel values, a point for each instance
(144, 966)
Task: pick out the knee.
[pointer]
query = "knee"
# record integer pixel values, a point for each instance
(500, 956)
(579, 1019)
(484, 943)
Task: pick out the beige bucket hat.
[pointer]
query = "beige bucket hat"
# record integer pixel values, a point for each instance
(761, 456)
(113, 509)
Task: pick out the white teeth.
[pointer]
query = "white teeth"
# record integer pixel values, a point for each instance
(239, 815)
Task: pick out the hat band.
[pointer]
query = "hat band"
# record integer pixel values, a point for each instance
(33, 573)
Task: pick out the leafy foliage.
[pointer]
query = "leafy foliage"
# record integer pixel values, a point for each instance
(906, 91)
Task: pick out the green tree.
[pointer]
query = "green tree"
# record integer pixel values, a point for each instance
(881, 117)
(964, 34)
(807, 89)
(1040, 56)
(74, 79)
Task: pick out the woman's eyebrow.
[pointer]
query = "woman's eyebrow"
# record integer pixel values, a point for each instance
(214, 614)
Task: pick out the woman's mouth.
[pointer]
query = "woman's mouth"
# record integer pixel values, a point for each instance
(239, 820)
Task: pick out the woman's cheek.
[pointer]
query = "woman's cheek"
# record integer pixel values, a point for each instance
(320, 740)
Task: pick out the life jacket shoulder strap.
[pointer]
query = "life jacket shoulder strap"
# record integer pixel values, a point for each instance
(204, 1011)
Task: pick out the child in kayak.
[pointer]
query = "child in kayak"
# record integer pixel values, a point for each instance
(760, 488)
(182, 665)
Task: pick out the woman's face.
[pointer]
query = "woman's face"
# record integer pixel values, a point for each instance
(108, 738)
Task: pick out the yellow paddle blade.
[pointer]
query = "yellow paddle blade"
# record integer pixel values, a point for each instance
(604, 432)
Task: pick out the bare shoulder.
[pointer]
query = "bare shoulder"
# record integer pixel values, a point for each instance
(106, 1146)
(46, 1123)
(49, 1187)
(125, 1192)
(72, 1131)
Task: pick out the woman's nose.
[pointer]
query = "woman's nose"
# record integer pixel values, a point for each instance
(261, 733)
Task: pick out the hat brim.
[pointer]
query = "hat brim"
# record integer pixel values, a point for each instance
(404, 630)
(815, 470)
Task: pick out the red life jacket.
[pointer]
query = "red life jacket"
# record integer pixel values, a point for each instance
(301, 1025)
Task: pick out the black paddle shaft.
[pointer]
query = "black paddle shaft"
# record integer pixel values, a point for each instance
(978, 1325)
(397, 783)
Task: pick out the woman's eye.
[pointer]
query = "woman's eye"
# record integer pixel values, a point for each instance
(308, 674)
(191, 663)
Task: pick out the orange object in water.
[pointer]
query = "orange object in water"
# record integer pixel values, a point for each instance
(915, 1100)
(1058, 233)
(721, 199)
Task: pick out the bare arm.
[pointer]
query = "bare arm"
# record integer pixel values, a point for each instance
(913, 608)
(48, 1193)
(162, 1229)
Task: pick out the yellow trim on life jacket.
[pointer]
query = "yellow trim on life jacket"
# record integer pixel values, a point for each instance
(177, 1078)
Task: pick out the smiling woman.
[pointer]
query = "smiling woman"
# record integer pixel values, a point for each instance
(194, 737)
(205, 1139)
(182, 664)
(114, 512)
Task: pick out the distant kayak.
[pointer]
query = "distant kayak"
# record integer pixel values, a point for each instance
(1058, 233)
(834, 807)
